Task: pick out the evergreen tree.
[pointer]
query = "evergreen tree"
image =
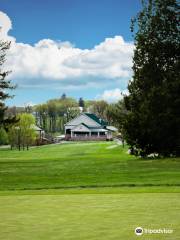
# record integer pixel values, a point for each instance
(63, 96)
(153, 121)
(81, 103)
(4, 86)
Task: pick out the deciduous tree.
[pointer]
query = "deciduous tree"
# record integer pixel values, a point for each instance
(23, 134)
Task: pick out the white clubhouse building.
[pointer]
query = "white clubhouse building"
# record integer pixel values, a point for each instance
(87, 126)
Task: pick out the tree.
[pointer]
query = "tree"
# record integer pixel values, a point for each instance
(72, 112)
(4, 86)
(28, 108)
(53, 114)
(153, 120)
(3, 136)
(81, 103)
(23, 134)
(99, 108)
(116, 115)
(52, 110)
(63, 96)
(14, 136)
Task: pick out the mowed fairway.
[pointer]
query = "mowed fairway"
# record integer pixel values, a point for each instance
(86, 191)
(83, 165)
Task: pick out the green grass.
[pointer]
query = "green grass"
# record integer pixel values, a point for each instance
(88, 216)
(77, 165)
(86, 191)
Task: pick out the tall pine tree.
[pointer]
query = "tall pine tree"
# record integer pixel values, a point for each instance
(153, 121)
(81, 103)
(4, 86)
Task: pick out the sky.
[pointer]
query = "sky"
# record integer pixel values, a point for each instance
(79, 47)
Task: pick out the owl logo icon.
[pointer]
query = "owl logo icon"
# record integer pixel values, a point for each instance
(139, 231)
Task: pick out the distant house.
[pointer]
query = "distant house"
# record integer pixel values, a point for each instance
(39, 131)
(88, 126)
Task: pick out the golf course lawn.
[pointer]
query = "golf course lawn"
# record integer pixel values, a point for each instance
(86, 191)
(88, 215)
(93, 164)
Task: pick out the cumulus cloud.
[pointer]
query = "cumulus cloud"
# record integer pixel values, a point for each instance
(5, 26)
(63, 63)
(113, 95)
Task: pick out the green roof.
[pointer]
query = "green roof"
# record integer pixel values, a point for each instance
(96, 119)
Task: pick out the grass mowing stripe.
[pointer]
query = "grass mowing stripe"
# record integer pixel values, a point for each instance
(77, 165)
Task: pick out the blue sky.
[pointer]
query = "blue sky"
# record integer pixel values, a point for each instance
(75, 27)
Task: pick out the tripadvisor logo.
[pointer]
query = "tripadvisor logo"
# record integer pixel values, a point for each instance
(139, 231)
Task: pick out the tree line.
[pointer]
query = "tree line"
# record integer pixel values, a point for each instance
(52, 115)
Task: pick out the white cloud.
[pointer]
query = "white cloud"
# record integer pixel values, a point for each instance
(62, 63)
(113, 95)
(5, 23)
(5, 26)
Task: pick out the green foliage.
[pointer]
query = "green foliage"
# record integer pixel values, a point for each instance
(116, 114)
(4, 85)
(52, 116)
(99, 108)
(153, 122)
(26, 128)
(13, 135)
(3, 136)
(23, 134)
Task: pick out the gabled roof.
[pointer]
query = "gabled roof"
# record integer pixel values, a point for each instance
(96, 119)
(81, 124)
